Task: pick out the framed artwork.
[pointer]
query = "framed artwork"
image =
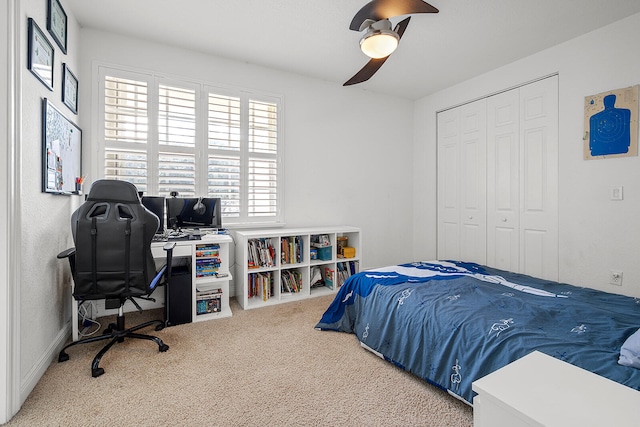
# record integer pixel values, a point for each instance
(69, 89)
(61, 152)
(40, 55)
(57, 24)
(611, 124)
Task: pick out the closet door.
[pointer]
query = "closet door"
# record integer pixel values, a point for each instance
(503, 180)
(462, 183)
(539, 182)
(522, 179)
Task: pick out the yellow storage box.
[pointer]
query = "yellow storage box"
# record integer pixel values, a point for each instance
(348, 252)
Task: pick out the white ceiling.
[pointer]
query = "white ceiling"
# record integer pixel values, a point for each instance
(311, 37)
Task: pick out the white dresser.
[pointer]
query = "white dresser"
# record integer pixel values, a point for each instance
(540, 390)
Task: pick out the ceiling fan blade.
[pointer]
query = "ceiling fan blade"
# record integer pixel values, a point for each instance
(384, 9)
(374, 64)
(401, 26)
(367, 71)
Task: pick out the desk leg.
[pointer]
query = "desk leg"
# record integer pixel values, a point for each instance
(74, 319)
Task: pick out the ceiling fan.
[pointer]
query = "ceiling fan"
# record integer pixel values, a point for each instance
(379, 41)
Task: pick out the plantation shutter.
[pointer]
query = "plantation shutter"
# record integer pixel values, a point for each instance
(262, 163)
(176, 141)
(126, 130)
(223, 159)
(167, 134)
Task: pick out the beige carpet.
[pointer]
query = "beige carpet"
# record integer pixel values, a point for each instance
(262, 367)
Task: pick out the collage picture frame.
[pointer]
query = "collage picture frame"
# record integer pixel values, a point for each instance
(40, 58)
(69, 89)
(57, 24)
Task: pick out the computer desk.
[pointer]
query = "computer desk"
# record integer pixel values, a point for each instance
(200, 282)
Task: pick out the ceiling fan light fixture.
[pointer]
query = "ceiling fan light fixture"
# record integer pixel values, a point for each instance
(379, 43)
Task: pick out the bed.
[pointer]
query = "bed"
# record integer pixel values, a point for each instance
(451, 323)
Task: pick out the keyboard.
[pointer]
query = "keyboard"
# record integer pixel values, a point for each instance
(160, 237)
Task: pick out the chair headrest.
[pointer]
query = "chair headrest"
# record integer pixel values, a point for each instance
(113, 190)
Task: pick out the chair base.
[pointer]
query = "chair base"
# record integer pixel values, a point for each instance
(115, 332)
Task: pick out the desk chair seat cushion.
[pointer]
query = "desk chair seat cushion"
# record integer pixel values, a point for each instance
(112, 232)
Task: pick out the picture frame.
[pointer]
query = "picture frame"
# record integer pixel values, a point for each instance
(61, 152)
(69, 89)
(41, 55)
(57, 24)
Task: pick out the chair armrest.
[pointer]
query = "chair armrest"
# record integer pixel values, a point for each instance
(67, 253)
(166, 270)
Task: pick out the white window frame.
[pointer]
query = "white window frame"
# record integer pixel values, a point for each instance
(154, 80)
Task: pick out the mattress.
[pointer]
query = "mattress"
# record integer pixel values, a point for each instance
(451, 323)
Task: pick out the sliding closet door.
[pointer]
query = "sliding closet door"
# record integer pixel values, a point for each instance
(462, 183)
(522, 179)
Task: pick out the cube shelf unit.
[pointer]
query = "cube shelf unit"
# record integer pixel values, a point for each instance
(210, 272)
(275, 266)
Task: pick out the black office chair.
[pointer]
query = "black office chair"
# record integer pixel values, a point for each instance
(112, 260)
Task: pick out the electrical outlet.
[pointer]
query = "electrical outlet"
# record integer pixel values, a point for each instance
(615, 278)
(616, 193)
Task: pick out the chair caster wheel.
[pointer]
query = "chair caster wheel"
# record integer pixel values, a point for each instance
(164, 348)
(95, 373)
(63, 357)
(110, 328)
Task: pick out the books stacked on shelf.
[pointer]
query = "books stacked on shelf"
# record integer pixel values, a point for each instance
(260, 285)
(346, 270)
(290, 281)
(207, 259)
(291, 249)
(208, 251)
(209, 301)
(261, 253)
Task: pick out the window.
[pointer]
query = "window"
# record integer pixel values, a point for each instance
(167, 135)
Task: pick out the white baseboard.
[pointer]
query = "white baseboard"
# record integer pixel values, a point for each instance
(51, 354)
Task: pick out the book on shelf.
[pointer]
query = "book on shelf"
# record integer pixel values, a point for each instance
(291, 249)
(209, 250)
(213, 305)
(260, 285)
(260, 253)
(328, 277)
(202, 294)
(290, 281)
(208, 301)
(346, 269)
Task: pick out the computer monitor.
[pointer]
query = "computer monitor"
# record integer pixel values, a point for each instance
(156, 205)
(199, 212)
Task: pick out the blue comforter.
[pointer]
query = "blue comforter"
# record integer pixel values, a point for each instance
(451, 323)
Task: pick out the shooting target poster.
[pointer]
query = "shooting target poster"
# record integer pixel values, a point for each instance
(611, 124)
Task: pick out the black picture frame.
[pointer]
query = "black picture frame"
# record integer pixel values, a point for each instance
(41, 55)
(57, 24)
(69, 89)
(61, 152)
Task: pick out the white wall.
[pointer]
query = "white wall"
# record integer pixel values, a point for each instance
(44, 280)
(596, 234)
(6, 321)
(346, 150)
